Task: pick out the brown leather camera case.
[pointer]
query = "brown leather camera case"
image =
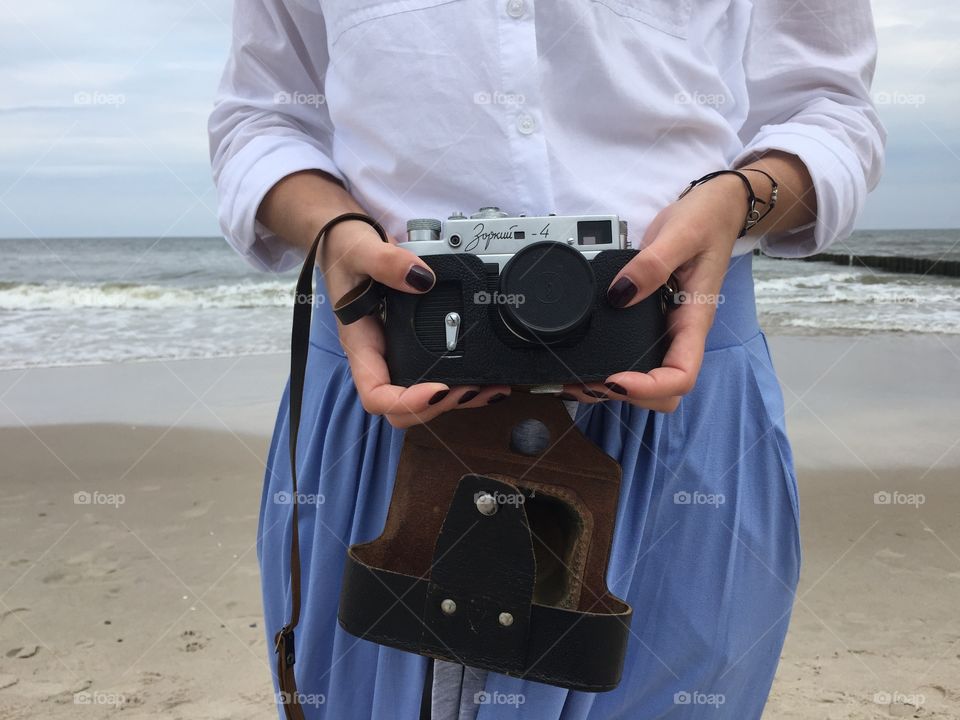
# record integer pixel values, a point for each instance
(519, 590)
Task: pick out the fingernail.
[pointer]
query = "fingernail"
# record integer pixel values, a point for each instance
(440, 395)
(621, 292)
(467, 397)
(419, 278)
(614, 388)
(566, 396)
(594, 394)
(497, 398)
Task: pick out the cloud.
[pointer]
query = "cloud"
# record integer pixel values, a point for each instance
(103, 115)
(918, 90)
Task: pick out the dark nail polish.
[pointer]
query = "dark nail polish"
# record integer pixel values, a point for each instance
(497, 398)
(621, 292)
(618, 389)
(467, 397)
(594, 394)
(419, 279)
(438, 397)
(567, 396)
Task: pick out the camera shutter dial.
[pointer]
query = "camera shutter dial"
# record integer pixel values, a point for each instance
(548, 291)
(423, 229)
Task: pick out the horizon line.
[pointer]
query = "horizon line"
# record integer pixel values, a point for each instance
(221, 237)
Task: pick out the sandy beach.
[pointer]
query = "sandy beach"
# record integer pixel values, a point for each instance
(130, 494)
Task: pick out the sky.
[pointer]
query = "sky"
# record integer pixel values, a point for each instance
(103, 108)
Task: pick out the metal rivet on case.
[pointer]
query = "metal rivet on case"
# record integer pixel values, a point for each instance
(486, 503)
(448, 606)
(506, 619)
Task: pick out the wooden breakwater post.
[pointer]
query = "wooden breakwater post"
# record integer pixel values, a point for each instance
(892, 263)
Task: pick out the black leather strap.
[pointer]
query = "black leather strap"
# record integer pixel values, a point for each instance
(481, 585)
(365, 299)
(355, 304)
(578, 650)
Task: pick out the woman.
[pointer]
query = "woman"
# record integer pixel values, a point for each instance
(417, 108)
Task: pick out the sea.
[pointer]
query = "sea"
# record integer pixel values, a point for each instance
(72, 301)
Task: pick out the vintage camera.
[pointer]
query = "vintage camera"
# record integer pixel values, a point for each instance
(522, 301)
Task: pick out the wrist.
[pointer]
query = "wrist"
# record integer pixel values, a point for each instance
(736, 205)
(340, 239)
(730, 201)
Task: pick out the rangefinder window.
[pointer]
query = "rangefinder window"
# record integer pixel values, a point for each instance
(594, 232)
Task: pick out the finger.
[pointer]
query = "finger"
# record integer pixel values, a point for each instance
(688, 328)
(616, 391)
(596, 393)
(439, 403)
(649, 269)
(586, 394)
(483, 396)
(363, 343)
(666, 406)
(392, 265)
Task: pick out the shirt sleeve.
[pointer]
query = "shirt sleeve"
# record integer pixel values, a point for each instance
(269, 119)
(809, 66)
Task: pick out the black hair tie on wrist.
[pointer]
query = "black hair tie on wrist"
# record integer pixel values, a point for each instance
(753, 215)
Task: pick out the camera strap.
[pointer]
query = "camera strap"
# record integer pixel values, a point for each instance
(357, 303)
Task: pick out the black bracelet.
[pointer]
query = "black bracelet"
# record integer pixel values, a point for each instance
(753, 215)
(774, 193)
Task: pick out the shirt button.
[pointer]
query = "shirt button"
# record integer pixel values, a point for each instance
(515, 8)
(526, 124)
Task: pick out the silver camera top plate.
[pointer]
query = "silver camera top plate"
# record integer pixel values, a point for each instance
(495, 236)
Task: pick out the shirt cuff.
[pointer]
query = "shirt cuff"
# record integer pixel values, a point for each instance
(838, 181)
(245, 181)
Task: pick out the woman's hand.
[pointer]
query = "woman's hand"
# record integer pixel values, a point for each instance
(351, 252)
(693, 239)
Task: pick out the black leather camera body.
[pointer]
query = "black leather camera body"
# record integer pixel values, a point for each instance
(522, 301)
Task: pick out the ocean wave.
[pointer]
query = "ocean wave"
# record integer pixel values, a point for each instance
(132, 296)
(854, 289)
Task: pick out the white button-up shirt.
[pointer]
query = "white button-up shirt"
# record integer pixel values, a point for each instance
(424, 107)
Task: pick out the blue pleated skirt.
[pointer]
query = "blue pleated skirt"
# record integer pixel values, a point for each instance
(706, 548)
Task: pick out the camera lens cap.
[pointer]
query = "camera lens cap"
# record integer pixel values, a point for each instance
(548, 291)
